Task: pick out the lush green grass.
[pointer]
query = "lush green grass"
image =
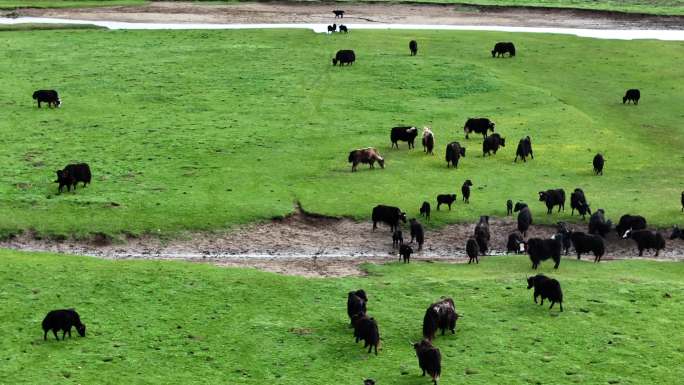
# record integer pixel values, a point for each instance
(162, 322)
(10, 4)
(36, 27)
(207, 129)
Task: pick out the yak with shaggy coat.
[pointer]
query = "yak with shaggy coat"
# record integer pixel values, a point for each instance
(367, 156)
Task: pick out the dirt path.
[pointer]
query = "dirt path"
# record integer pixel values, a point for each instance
(250, 13)
(313, 245)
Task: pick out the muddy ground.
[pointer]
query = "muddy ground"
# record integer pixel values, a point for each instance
(313, 245)
(276, 12)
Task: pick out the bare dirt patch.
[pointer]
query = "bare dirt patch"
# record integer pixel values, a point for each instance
(276, 12)
(313, 245)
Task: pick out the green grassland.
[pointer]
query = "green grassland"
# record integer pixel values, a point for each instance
(203, 130)
(662, 7)
(153, 322)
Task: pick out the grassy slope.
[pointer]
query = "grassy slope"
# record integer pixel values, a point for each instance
(160, 322)
(205, 129)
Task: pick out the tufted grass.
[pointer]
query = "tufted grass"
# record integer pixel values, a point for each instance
(156, 322)
(204, 130)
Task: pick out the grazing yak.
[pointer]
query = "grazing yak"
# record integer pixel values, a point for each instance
(472, 251)
(368, 156)
(492, 144)
(404, 134)
(524, 149)
(356, 303)
(440, 315)
(627, 222)
(564, 235)
(51, 97)
(72, 174)
(338, 13)
(366, 329)
(598, 162)
(478, 126)
(454, 152)
(417, 232)
(389, 215)
(428, 141)
(446, 199)
(509, 207)
(344, 56)
(543, 249)
(425, 210)
(524, 217)
(413, 47)
(553, 198)
(546, 288)
(515, 243)
(465, 190)
(579, 202)
(586, 243)
(646, 239)
(64, 320)
(343, 28)
(332, 28)
(405, 252)
(598, 223)
(429, 359)
(397, 238)
(503, 48)
(632, 95)
(677, 233)
(482, 234)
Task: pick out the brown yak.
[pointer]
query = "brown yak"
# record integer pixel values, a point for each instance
(366, 155)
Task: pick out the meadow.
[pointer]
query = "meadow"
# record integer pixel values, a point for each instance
(205, 130)
(154, 322)
(660, 7)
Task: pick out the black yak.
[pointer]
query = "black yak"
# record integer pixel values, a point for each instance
(445, 199)
(465, 190)
(429, 359)
(413, 47)
(72, 174)
(632, 95)
(553, 198)
(524, 149)
(344, 56)
(425, 210)
(366, 329)
(543, 249)
(479, 126)
(356, 303)
(366, 155)
(677, 233)
(598, 163)
(492, 144)
(598, 223)
(338, 13)
(627, 222)
(428, 140)
(472, 251)
(586, 243)
(503, 48)
(389, 215)
(524, 217)
(515, 243)
(397, 238)
(646, 239)
(332, 28)
(579, 202)
(546, 288)
(51, 97)
(454, 152)
(440, 315)
(64, 320)
(404, 134)
(405, 252)
(417, 232)
(509, 207)
(482, 234)
(343, 28)
(564, 235)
